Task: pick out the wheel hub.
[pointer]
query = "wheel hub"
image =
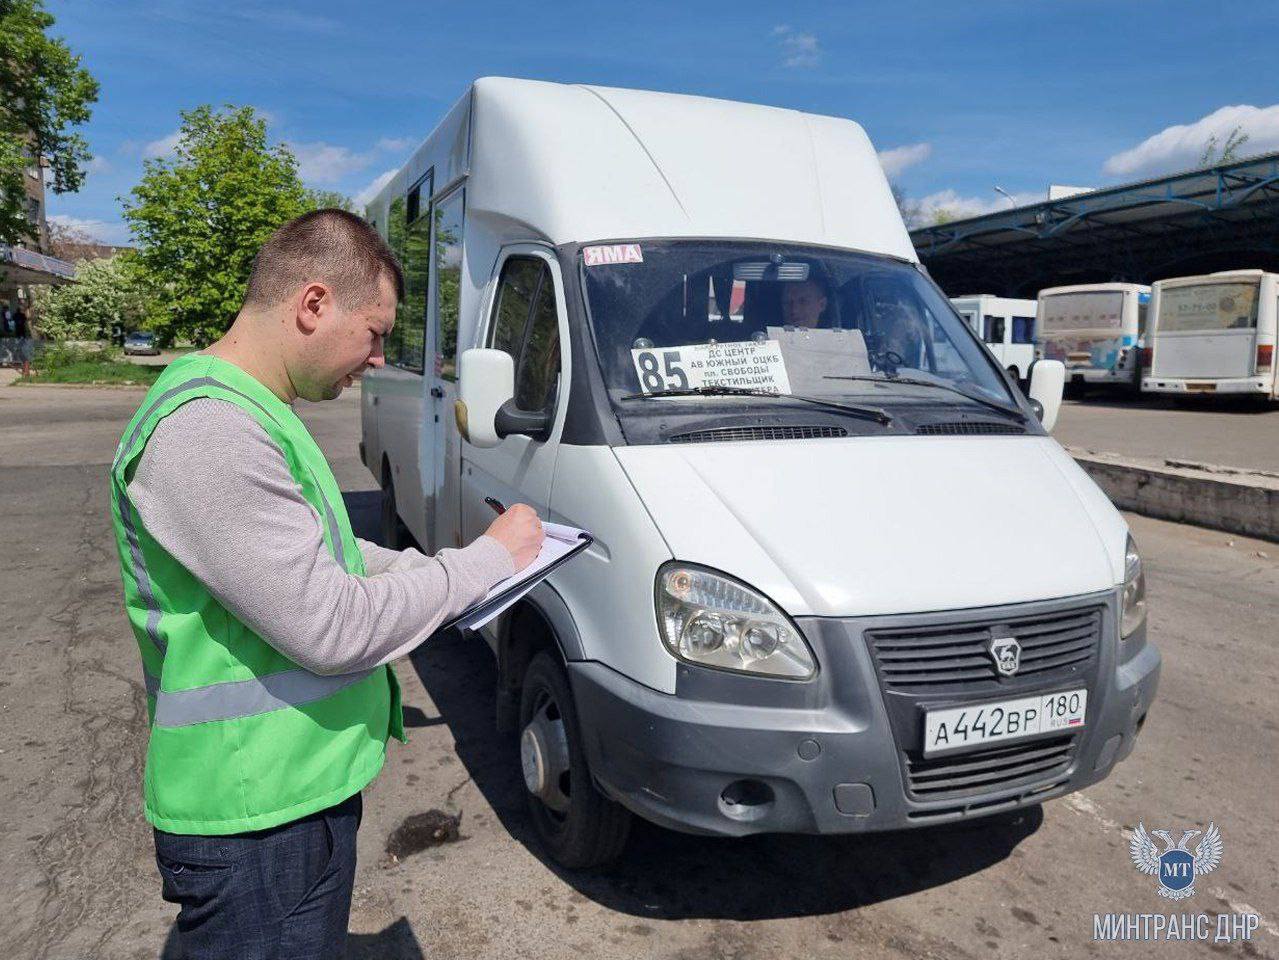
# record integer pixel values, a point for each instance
(544, 759)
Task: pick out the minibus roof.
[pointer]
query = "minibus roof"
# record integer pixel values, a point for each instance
(576, 163)
(1094, 287)
(1215, 277)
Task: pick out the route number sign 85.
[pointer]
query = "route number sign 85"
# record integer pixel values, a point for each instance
(661, 370)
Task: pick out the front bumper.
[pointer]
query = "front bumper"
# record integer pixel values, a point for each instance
(735, 755)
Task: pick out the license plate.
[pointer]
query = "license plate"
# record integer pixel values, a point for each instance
(982, 723)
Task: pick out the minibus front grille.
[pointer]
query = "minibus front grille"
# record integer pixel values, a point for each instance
(967, 428)
(949, 777)
(723, 434)
(955, 658)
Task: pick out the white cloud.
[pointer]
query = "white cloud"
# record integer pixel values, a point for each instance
(897, 159)
(162, 147)
(98, 165)
(1180, 146)
(100, 230)
(958, 207)
(327, 163)
(396, 144)
(799, 49)
(363, 198)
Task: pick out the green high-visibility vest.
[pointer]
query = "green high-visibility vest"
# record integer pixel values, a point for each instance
(242, 738)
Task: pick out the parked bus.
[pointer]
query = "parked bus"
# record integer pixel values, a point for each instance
(811, 604)
(1095, 329)
(1214, 334)
(1006, 326)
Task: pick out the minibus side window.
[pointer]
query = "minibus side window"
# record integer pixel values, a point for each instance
(1023, 329)
(448, 264)
(511, 306)
(539, 367)
(397, 229)
(412, 314)
(994, 329)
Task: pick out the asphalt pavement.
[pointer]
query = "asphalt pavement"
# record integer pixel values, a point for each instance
(77, 864)
(1211, 430)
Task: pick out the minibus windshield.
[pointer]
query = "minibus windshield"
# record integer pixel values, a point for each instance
(1208, 307)
(672, 316)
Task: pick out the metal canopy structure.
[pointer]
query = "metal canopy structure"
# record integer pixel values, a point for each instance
(21, 266)
(1217, 218)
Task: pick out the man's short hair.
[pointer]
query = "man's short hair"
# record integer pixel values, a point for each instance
(331, 246)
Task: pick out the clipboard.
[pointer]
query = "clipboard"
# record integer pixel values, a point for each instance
(562, 544)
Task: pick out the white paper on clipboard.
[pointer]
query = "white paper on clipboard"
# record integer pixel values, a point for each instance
(560, 541)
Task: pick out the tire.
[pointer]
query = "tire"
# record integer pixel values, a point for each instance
(587, 829)
(395, 535)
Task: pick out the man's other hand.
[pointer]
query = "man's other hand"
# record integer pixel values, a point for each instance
(520, 531)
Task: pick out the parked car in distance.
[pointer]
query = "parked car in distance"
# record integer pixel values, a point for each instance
(140, 343)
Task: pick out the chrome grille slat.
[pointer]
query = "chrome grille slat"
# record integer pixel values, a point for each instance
(949, 659)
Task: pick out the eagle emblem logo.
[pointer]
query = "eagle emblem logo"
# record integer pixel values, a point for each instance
(1176, 868)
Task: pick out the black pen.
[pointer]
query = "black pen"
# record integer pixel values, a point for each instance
(496, 504)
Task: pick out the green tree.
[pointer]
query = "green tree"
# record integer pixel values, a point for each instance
(44, 92)
(322, 199)
(200, 217)
(107, 291)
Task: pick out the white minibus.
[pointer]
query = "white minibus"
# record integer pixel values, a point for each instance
(1095, 329)
(698, 330)
(1006, 326)
(1214, 334)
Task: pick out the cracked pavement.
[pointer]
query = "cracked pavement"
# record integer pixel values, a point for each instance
(77, 866)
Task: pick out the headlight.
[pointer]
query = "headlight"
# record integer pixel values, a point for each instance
(1133, 613)
(709, 619)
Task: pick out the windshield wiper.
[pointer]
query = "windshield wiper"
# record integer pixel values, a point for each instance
(865, 413)
(912, 381)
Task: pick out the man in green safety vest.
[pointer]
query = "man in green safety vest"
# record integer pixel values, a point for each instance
(266, 628)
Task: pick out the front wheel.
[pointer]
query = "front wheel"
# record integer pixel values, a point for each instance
(395, 535)
(578, 825)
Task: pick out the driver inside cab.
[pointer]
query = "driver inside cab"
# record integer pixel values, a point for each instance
(804, 303)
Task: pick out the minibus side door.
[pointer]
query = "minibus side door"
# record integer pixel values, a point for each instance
(525, 316)
(441, 444)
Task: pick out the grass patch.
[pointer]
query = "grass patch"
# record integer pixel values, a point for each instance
(59, 363)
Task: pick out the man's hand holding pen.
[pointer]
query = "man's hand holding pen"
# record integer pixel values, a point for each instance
(519, 529)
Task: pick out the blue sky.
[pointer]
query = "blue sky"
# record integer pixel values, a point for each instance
(958, 97)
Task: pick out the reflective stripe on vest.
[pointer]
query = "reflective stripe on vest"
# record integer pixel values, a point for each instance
(231, 699)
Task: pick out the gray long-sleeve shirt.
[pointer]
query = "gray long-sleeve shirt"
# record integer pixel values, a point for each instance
(215, 491)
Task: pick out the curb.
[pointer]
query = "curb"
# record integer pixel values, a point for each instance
(1239, 501)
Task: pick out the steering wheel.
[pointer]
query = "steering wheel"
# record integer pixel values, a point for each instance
(887, 360)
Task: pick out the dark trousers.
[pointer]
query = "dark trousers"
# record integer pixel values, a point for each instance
(274, 894)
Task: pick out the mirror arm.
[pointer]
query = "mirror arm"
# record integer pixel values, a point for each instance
(511, 420)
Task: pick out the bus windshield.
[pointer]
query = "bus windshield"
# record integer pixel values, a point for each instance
(1208, 307)
(680, 315)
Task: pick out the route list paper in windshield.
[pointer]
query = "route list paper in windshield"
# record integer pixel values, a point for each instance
(750, 364)
(813, 356)
(559, 545)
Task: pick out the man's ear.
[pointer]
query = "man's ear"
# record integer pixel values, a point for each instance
(313, 303)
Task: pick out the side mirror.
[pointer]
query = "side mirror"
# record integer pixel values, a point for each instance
(486, 411)
(486, 381)
(1047, 382)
